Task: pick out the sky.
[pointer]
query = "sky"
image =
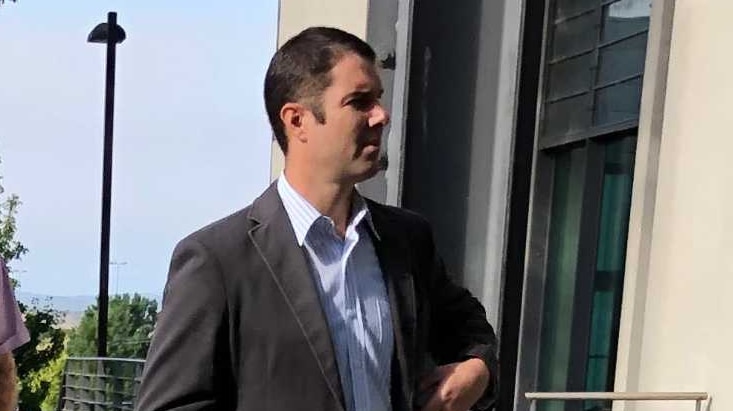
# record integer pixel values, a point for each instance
(191, 138)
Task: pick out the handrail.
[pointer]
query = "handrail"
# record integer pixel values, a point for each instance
(619, 396)
(698, 397)
(108, 359)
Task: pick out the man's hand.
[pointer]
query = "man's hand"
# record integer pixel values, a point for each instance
(456, 386)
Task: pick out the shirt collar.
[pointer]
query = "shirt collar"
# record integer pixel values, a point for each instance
(303, 215)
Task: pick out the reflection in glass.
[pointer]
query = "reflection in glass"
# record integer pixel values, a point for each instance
(575, 36)
(617, 103)
(567, 8)
(592, 45)
(618, 172)
(568, 116)
(557, 309)
(570, 76)
(625, 18)
(622, 60)
(591, 303)
(630, 8)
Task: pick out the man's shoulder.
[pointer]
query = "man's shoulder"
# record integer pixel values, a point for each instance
(397, 216)
(227, 230)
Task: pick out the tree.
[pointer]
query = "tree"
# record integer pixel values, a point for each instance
(36, 358)
(130, 325)
(47, 341)
(10, 248)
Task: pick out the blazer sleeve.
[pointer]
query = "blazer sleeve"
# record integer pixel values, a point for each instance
(184, 367)
(459, 329)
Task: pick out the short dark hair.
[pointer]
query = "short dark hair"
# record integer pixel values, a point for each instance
(299, 72)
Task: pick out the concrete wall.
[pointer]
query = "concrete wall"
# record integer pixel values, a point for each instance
(676, 330)
(381, 34)
(458, 142)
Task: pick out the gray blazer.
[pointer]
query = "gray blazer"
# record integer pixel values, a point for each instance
(242, 327)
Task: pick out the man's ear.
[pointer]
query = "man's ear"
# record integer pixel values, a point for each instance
(293, 117)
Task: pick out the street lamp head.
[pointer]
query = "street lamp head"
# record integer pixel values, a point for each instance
(102, 32)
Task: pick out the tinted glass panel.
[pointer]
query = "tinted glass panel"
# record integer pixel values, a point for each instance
(568, 116)
(574, 36)
(566, 8)
(571, 302)
(623, 59)
(618, 171)
(625, 18)
(617, 103)
(592, 46)
(557, 320)
(570, 76)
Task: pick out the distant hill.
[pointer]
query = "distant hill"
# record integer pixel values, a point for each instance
(77, 303)
(72, 307)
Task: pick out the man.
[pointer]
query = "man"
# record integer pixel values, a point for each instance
(13, 334)
(314, 298)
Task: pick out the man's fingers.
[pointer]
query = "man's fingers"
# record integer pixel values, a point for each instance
(435, 403)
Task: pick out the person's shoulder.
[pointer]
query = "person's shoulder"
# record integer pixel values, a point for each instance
(232, 231)
(397, 216)
(227, 230)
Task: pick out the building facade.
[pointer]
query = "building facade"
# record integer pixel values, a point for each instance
(572, 156)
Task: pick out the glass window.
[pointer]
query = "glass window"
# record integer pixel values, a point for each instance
(618, 103)
(566, 8)
(624, 18)
(560, 283)
(570, 76)
(589, 110)
(575, 36)
(622, 59)
(618, 170)
(593, 45)
(591, 199)
(569, 115)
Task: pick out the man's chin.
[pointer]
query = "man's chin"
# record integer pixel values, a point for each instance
(367, 172)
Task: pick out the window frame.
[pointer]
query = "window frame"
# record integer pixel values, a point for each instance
(540, 203)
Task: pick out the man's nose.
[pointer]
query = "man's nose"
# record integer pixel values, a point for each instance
(378, 116)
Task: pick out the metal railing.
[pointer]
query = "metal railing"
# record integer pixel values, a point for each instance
(100, 384)
(698, 397)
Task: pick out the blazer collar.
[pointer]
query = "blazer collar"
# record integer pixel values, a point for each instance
(394, 252)
(275, 241)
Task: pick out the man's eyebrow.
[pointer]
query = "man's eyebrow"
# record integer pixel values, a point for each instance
(363, 93)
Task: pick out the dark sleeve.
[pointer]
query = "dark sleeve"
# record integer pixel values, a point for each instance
(459, 329)
(183, 365)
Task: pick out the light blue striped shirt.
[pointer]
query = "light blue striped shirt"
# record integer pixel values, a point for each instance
(353, 296)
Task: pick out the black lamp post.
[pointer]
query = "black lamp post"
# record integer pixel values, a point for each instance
(111, 34)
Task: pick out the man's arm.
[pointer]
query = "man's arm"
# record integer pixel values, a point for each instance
(460, 338)
(184, 364)
(8, 384)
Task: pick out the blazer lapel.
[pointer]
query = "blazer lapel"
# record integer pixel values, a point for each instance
(393, 254)
(275, 240)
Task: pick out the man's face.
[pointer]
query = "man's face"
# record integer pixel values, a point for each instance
(346, 146)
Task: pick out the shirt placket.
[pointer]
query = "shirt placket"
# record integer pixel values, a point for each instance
(357, 325)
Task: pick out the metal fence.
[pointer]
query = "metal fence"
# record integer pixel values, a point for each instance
(100, 384)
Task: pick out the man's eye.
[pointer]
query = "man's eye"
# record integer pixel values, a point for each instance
(361, 103)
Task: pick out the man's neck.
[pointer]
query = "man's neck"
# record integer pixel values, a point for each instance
(332, 199)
